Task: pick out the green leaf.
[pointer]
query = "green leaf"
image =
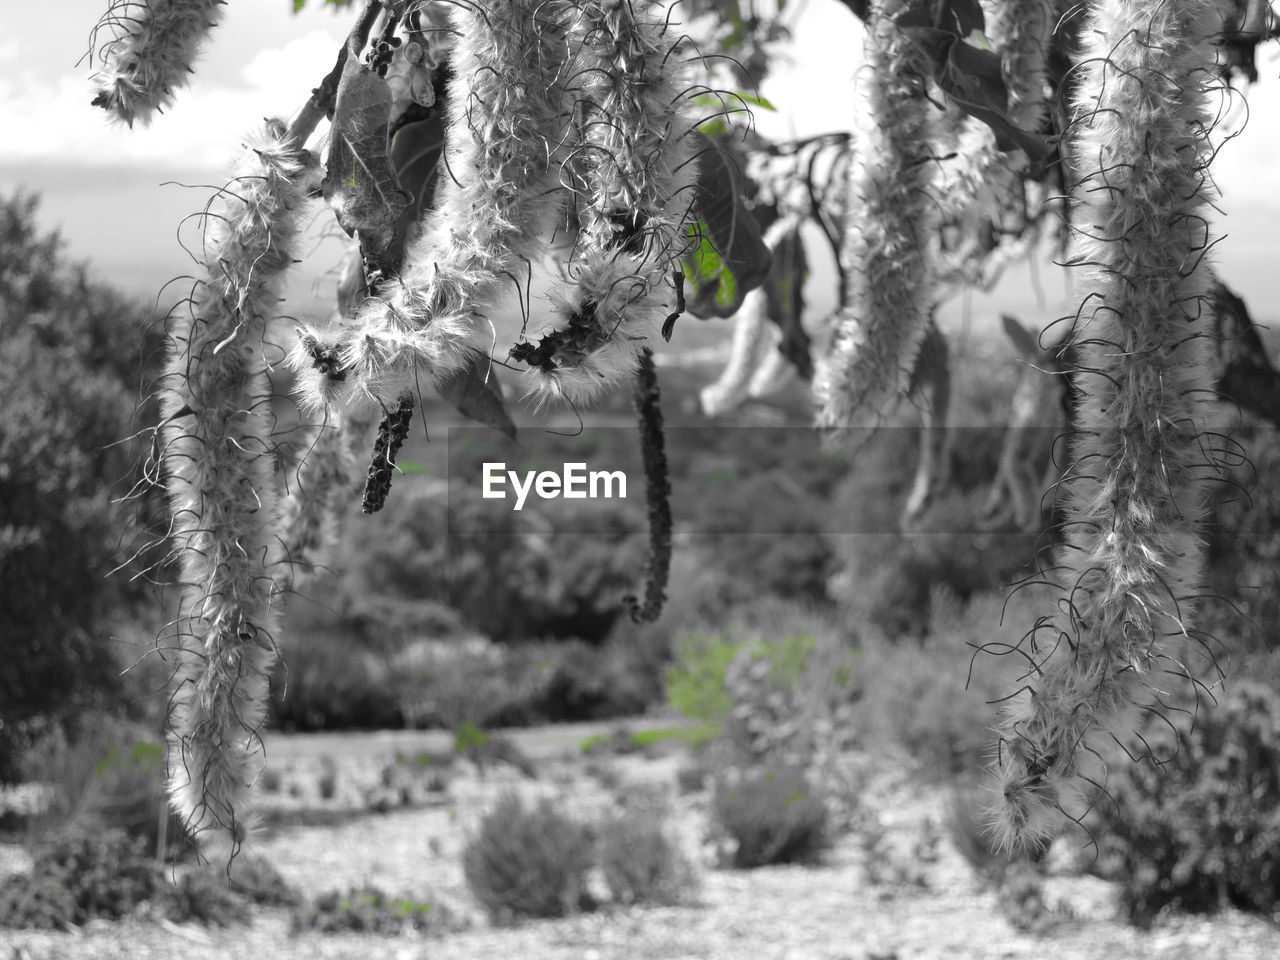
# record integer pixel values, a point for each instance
(298, 5)
(729, 257)
(412, 466)
(726, 105)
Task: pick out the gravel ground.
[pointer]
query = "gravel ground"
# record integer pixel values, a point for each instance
(826, 912)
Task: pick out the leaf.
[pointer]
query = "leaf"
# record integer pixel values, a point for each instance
(415, 154)
(969, 71)
(972, 78)
(474, 392)
(730, 258)
(360, 185)
(725, 106)
(784, 294)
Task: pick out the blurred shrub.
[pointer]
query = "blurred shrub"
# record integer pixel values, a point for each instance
(327, 782)
(255, 879)
(79, 877)
(110, 777)
(528, 861)
(71, 358)
(204, 896)
(504, 577)
(640, 860)
(935, 699)
(324, 682)
(367, 909)
(1202, 829)
(769, 815)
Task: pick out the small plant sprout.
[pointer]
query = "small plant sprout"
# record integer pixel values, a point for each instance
(888, 300)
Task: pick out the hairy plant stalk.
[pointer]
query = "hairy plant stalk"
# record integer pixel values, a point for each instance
(328, 475)
(499, 194)
(981, 182)
(634, 172)
(1130, 569)
(219, 460)
(879, 327)
(153, 46)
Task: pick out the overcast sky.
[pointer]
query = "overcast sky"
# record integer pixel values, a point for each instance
(101, 183)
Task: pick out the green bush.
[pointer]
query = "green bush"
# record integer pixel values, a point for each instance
(640, 860)
(1202, 829)
(770, 815)
(367, 909)
(529, 861)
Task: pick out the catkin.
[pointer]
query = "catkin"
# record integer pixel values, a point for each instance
(891, 215)
(499, 193)
(150, 53)
(635, 177)
(219, 462)
(1131, 564)
(326, 479)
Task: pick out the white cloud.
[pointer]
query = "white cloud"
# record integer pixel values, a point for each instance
(58, 125)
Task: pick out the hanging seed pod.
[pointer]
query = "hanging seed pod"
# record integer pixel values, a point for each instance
(891, 213)
(219, 460)
(1131, 565)
(392, 432)
(152, 47)
(499, 195)
(633, 169)
(657, 478)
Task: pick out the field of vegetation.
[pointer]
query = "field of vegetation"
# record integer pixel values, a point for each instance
(473, 753)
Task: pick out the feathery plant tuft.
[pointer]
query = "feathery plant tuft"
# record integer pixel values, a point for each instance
(632, 174)
(219, 460)
(1130, 567)
(888, 303)
(498, 198)
(149, 53)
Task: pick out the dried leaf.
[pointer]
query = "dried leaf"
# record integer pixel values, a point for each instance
(968, 73)
(475, 393)
(360, 185)
(784, 294)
